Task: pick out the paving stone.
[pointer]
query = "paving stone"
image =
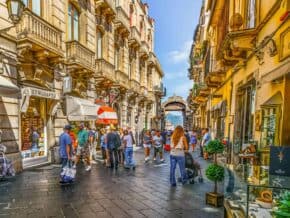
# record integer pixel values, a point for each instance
(102, 192)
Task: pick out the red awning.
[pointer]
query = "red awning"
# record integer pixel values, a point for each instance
(107, 115)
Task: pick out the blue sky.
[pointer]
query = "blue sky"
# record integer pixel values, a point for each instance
(175, 21)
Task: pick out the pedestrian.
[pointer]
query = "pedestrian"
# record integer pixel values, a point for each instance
(132, 135)
(65, 148)
(113, 143)
(187, 136)
(121, 150)
(34, 138)
(128, 144)
(193, 140)
(103, 145)
(147, 141)
(158, 146)
(92, 143)
(83, 149)
(205, 140)
(178, 147)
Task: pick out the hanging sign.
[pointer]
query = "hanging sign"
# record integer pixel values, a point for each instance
(280, 160)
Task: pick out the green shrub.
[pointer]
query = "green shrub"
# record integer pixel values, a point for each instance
(214, 147)
(283, 210)
(215, 173)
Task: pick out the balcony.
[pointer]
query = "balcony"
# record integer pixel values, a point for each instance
(39, 35)
(144, 91)
(151, 96)
(122, 79)
(215, 72)
(109, 6)
(122, 21)
(144, 51)
(102, 23)
(159, 90)
(80, 57)
(135, 37)
(135, 86)
(105, 70)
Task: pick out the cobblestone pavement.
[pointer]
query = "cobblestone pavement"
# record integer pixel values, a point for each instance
(103, 192)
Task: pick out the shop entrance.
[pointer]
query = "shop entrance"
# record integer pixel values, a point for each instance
(34, 132)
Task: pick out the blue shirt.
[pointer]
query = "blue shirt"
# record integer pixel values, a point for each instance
(64, 140)
(206, 138)
(193, 139)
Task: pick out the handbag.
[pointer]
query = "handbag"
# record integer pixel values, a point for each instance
(167, 147)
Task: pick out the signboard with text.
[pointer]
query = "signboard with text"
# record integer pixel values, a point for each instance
(280, 160)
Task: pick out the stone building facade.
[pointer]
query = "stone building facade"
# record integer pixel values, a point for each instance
(79, 51)
(240, 67)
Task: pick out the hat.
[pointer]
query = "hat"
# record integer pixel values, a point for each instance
(67, 127)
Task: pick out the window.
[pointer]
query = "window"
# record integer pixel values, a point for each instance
(251, 13)
(34, 6)
(73, 23)
(99, 45)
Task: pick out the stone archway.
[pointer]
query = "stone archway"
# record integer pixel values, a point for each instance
(175, 103)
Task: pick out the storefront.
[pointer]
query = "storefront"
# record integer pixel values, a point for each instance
(35, 104)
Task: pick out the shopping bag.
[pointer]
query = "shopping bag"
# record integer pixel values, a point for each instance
(68, 174)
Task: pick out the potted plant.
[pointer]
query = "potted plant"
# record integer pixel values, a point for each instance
(215, 173)
(283, 209)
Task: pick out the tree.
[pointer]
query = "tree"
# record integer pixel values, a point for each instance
(215, 172)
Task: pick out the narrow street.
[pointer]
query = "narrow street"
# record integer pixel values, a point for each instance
(105, 193)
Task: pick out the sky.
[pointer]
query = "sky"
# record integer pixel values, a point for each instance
(175, 21)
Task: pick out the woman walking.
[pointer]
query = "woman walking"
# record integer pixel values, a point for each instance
(128, 144)
(147, 141)
(178, 147)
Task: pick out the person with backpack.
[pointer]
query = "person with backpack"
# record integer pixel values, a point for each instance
(113, 142)
(178, 147)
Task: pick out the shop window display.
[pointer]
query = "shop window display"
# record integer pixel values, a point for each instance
(32, 134)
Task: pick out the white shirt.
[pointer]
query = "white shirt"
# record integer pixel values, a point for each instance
(128, 140)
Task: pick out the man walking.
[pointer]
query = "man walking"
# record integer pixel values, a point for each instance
(83, 149)
(113, 142)
(65, 147)
(205, 140)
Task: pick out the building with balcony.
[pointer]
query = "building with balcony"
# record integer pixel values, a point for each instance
(245, 66)
(62, 58)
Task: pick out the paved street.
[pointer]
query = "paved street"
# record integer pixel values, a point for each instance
(104, 193)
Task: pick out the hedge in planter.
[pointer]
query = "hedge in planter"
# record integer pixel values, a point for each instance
(283, 210)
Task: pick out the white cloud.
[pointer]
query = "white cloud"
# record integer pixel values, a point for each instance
(181, 54)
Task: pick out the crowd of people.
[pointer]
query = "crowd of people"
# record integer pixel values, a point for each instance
(116, 146)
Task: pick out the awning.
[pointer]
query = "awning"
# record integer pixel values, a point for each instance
(79, 109)
(8, 89)
(107, 115)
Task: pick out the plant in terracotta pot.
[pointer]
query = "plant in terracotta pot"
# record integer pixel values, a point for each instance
(215, 173)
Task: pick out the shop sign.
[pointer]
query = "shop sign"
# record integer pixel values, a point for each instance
(29, 91)
(280, 160)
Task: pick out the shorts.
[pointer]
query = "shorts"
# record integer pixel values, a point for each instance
(147, 145)
(83, 151)
(158, 149)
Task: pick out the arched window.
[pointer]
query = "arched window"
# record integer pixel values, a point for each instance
(34, 6)
(99, 45)
(73, 23)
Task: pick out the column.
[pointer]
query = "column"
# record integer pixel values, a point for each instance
(124, 109)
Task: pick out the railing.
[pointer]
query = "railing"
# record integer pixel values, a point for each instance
(135, 35)
(122, 78)
(80, 55)
(39, 31)
(151, 96)
(105, 69)
(123, 17)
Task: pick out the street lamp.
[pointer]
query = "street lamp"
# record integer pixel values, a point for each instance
(15, 9)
